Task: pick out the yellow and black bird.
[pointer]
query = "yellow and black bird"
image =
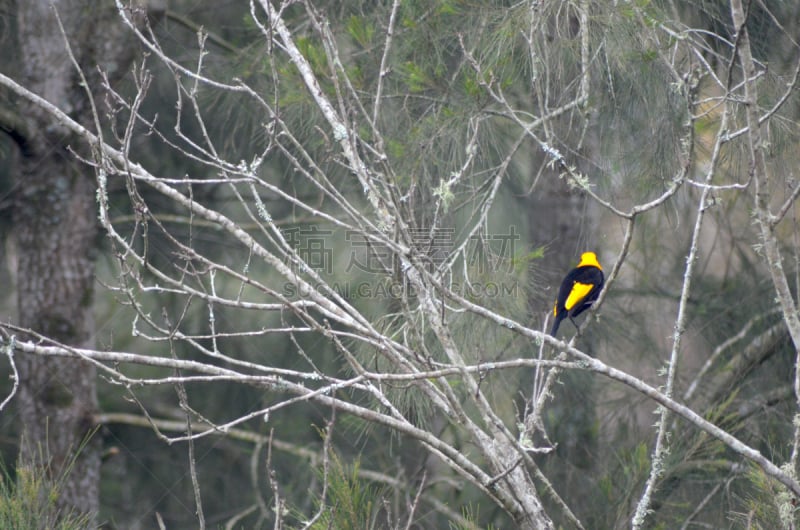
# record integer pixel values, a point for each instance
(579, 289)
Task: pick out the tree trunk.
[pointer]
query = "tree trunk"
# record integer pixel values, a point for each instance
(55, 229)
(56, 233)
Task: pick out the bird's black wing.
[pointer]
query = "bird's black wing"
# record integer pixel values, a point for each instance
(587, 276)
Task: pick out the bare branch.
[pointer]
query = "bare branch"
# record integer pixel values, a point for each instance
(9, 351)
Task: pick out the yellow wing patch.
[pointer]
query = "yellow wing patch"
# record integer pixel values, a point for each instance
(578, 293)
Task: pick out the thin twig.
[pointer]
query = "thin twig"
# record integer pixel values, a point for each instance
(9, 351)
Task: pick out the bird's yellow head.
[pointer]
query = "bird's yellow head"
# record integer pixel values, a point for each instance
(589, 258)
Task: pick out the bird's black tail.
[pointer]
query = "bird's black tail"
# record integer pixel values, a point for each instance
(557, 323)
